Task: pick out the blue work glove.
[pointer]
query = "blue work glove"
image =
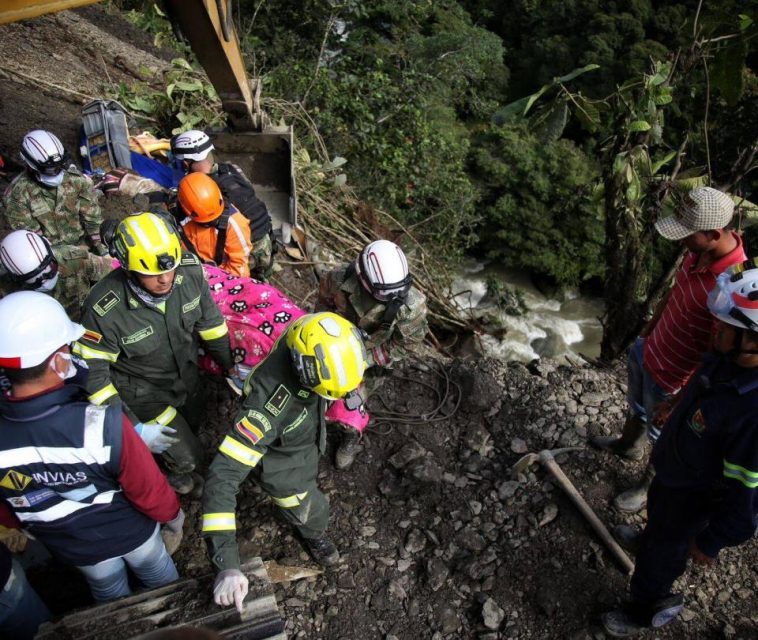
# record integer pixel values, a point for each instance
(157, 437)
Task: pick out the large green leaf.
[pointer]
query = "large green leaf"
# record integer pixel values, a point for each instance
(577, 72)
(639, 125)
(727, 68)
(550, 125)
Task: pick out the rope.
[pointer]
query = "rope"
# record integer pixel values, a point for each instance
(450, 389)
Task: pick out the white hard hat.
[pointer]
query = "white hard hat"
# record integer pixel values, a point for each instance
(734, 299)
(383, 270)
(33, 326)
(191, 145)
(28, 258)
(44, 154)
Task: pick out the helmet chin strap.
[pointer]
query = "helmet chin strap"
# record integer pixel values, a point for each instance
(736, 351)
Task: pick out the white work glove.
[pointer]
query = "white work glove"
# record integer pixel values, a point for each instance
(230, 588)
(157, 437)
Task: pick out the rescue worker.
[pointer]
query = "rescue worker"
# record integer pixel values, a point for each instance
(278, 436)
(53, 198)
(213, 230)
(31, 265)
(704, 496)
(671, 345)
(75, 475)
(141, 345)
(376, 293)
(194, 150)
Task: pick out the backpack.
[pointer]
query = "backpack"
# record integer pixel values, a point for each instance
(238, 190)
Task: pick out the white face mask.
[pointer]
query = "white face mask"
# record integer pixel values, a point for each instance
(51, 181)
(48, 285)
(70, 371)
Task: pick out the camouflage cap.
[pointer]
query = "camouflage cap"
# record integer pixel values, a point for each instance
(703, 209)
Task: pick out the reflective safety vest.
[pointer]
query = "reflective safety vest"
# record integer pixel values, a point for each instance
(59, 467)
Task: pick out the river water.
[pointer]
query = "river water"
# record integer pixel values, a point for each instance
(550, 327)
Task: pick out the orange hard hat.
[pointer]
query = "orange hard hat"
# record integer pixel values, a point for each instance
(200, 197)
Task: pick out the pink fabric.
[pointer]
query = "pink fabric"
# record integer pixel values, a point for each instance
(257, 314)
(357, 418)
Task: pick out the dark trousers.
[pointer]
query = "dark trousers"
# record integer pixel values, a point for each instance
(675, 517)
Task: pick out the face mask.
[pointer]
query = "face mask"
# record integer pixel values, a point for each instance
(51, 181)
(48, 285)
(70, 371)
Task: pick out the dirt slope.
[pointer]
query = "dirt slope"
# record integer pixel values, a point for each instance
(438, 541)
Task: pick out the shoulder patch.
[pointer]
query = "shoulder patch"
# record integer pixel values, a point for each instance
(248, 430)
(260, 418)
(276, 403)
(138, 335)
(106, 303)
(92, 336)
(189, 258)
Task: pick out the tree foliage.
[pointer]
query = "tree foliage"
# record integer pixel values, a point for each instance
(537, 205)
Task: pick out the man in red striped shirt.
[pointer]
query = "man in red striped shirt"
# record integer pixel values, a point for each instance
(671, 345)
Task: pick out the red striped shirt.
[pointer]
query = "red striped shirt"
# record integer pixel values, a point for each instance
(675, 346)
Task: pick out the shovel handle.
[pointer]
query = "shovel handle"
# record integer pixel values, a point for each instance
(547, 459)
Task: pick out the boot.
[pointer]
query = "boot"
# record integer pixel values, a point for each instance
(323, 551)
(348, 449)
(631, 443)
(635, 499)
(632, 618)
(182, 483)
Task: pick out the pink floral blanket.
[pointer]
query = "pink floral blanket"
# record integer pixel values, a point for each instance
(257, 314)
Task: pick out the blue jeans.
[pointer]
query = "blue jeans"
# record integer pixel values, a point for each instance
(150, 562)
(643, 393)
(21, 610)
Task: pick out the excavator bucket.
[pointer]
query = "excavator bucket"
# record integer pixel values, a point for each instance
(266, 158)
(186, 602)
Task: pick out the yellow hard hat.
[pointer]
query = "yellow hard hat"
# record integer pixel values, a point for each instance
(145, 243)
(328, 354)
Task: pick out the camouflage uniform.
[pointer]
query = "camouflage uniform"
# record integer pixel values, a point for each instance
(65, 215)
(77, 270)
(277, 437)
(69, 217)
(342, 292)
(147, 357)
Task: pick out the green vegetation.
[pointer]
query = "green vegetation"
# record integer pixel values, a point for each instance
(545, 135)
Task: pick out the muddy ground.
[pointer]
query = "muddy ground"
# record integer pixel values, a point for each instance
(438, 540)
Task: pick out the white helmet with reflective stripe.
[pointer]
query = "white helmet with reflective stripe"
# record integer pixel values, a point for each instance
(35, 326)
(383, 270)
(734, 299)
(28, 258)
(191, 145)
(44, 154)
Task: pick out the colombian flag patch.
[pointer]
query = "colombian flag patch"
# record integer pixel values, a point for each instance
(248, 430)
(92, 336)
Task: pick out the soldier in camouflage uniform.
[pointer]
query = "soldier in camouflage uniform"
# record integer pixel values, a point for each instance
(31, 265)
(56, 200)
(141, 341)
(375, 293)
(278, 436)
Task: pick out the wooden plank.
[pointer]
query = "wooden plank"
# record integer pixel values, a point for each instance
(183, 602)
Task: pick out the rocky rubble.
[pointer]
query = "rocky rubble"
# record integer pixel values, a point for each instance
(439, 541)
